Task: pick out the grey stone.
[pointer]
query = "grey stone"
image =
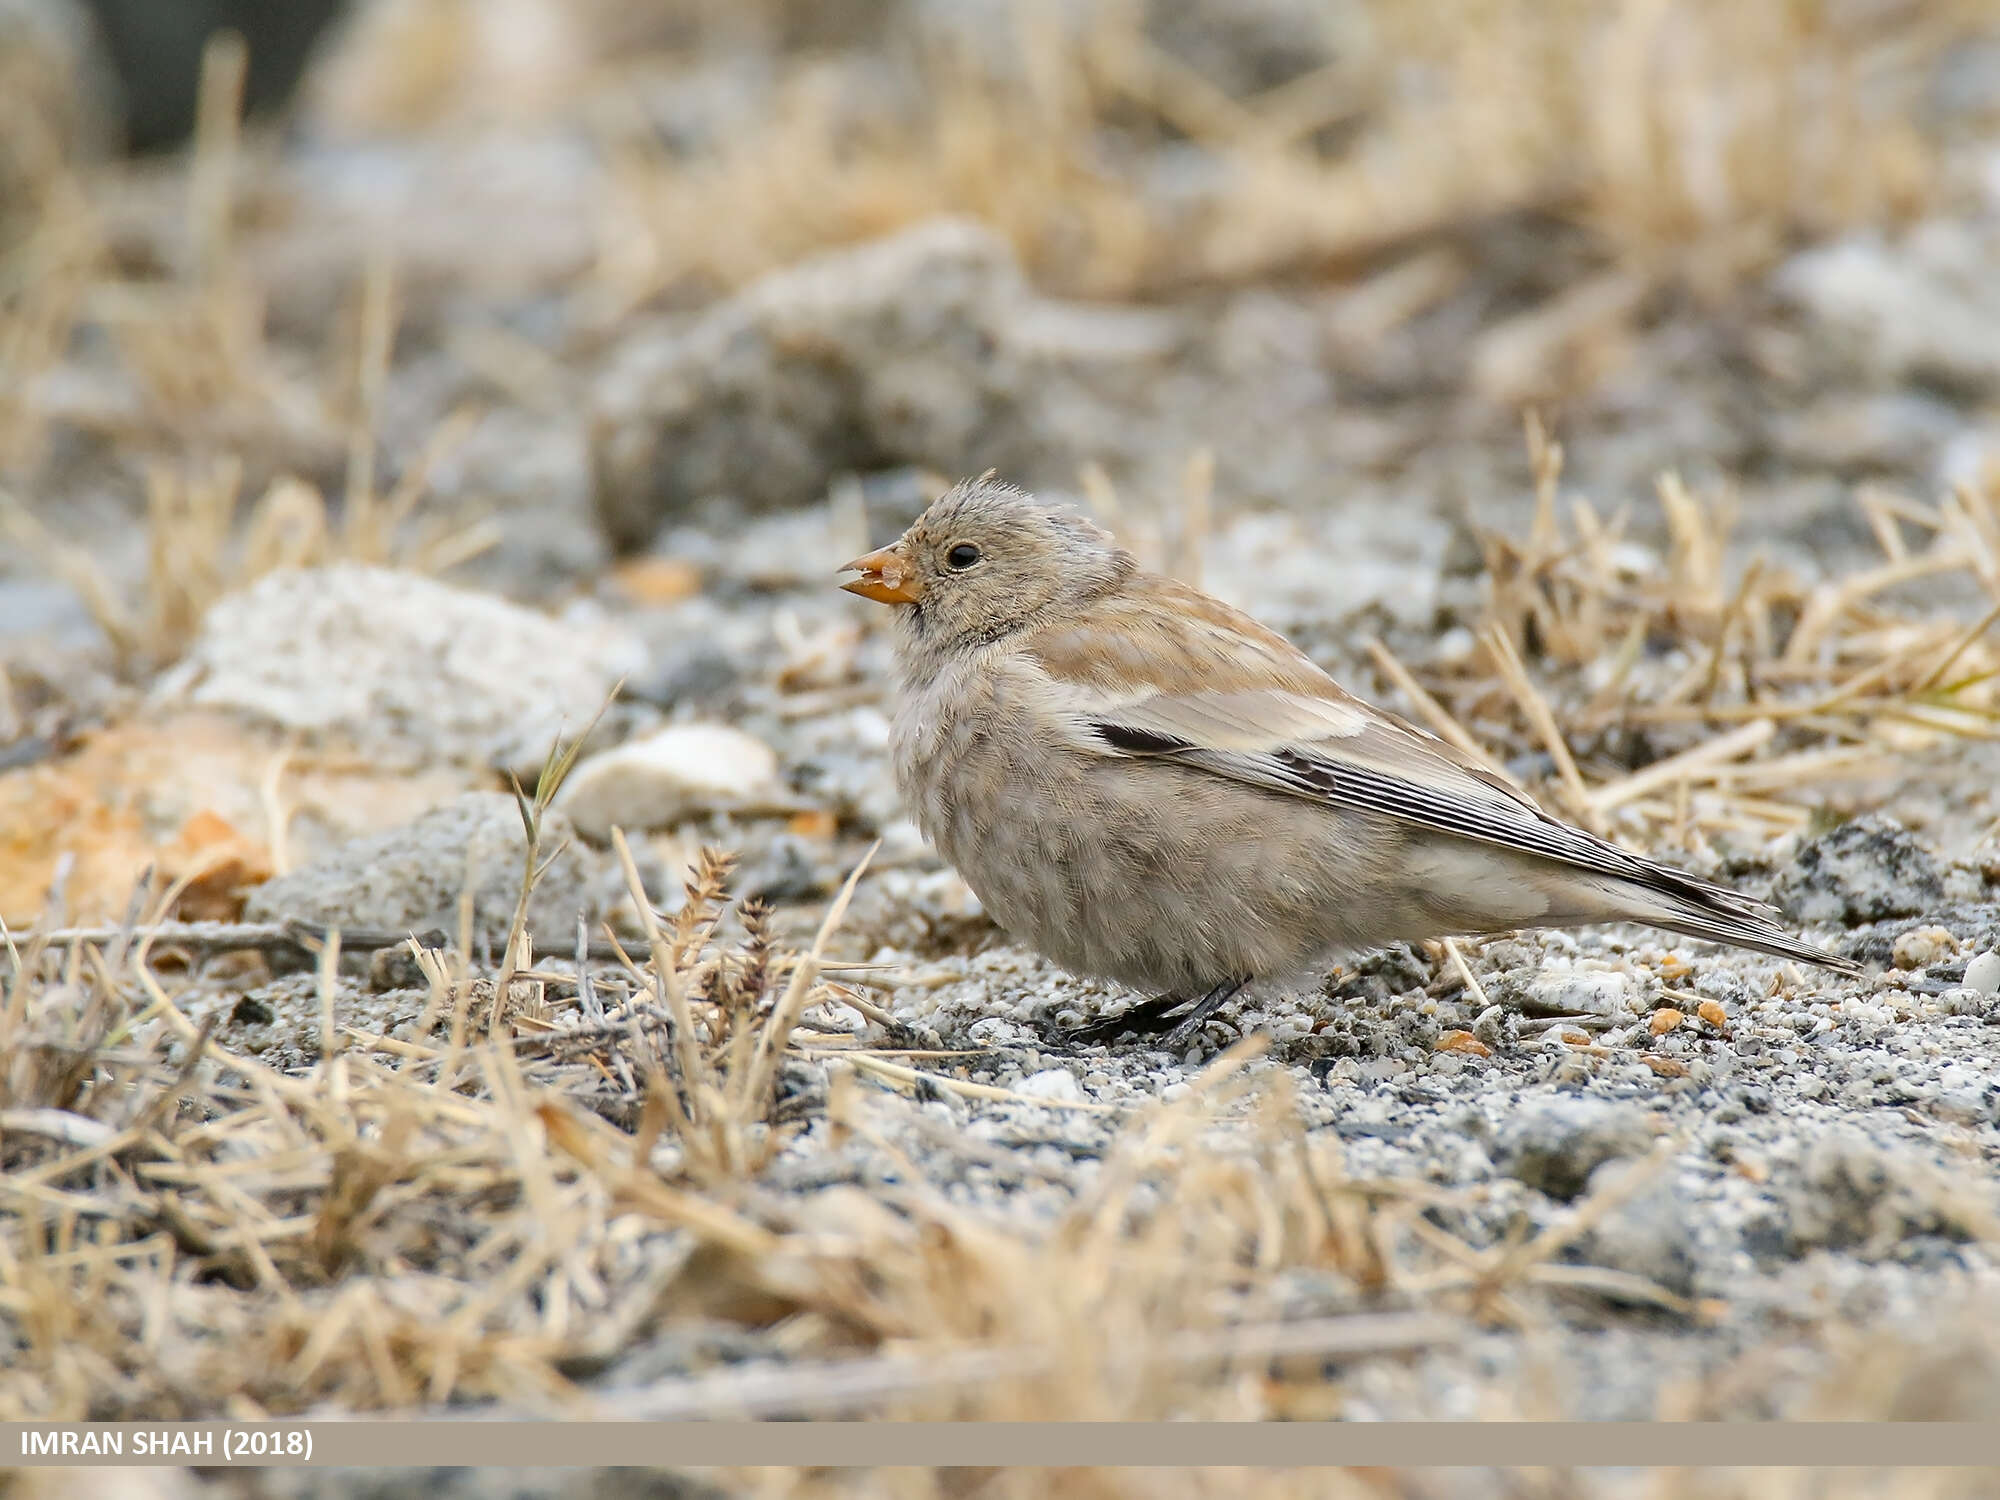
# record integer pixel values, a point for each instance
(1648, 1234)
(402, 666)
(1924, 306)
(1867, 432)
(924, 348)
(1855, 1194)
(410, 877)
(1553, 1145)
(1863, 871)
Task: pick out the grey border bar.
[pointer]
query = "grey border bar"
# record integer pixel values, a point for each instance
(1056, 1444)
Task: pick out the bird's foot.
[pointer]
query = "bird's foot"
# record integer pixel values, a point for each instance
(1146, 1017)
(1150, 1017)
(1205, 1007)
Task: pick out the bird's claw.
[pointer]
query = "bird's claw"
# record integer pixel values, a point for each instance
(1150, 1017)
(1146, 1017)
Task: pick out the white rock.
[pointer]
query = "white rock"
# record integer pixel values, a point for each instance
(402, 666)
(1051, 1083)
(997, 1031)
(1983, 974)
(1923, 305)
(1594, 992)
(680, 770)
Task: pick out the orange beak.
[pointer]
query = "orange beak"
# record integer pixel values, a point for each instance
(885, 578)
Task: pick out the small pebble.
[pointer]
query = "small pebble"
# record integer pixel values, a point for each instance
(1462, 1041)
(1923, 945)
(682, 770)
(1983, 974)
(1964, 1001)
(1051, 1083)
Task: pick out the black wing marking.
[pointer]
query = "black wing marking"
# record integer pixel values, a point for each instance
(1501, 817)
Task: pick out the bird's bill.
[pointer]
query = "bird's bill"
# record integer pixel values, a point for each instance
(886, 577)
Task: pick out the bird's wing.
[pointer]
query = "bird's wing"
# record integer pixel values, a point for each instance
(1179, 676)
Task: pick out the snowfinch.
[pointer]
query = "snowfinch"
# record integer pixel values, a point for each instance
(1144, 784)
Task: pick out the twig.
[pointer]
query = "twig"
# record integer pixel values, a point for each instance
(913, 1077)
(1536, 707)
(1958, 648)
(1727, 747)
(754, 1083)
(1439, 718)
(293, 935)
(56, 1125)
(860, 1385)
(1471, 981)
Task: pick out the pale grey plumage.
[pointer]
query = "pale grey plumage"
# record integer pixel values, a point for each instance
(1145, 784)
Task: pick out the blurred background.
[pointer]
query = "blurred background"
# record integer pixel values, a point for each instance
(1336, 244)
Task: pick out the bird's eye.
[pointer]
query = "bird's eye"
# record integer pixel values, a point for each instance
(961, 557)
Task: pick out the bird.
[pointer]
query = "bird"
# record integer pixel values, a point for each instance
(1146, 785)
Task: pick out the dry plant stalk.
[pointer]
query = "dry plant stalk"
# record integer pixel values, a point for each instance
(1714, 704)
(211, 395)
(1697, 140)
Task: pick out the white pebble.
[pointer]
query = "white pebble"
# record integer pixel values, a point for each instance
(683, 769)
(1983, 974)
(1051, 1083)
(1964, 1001)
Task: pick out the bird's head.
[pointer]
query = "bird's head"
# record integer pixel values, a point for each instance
(985, 560)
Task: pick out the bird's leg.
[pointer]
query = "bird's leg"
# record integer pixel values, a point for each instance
(1144, 1017)
(1205, 1007)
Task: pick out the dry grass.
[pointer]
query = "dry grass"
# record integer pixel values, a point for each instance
(1704, 700)
(567, 1165)
(207, 392)
(1695, 140)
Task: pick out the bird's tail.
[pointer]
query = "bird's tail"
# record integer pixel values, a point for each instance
(1678, 902)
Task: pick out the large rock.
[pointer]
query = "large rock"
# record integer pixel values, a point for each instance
(1649, 1233)
(410, 878)
(925, 348)
(403, 666)
(1863, 871)
(1925, 307)
(1855, 1194)
(1554, 1145)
